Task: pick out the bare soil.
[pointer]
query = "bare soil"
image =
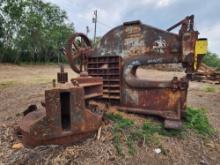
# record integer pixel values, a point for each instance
(23, 85)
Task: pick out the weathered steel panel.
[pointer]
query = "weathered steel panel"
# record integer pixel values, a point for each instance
(66, 119)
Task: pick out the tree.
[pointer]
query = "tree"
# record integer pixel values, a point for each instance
(212, 59)
(2, 21)
(1, 30)
(34, 30)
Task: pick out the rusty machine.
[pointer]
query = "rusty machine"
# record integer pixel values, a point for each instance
(206, 74)
(108, 74)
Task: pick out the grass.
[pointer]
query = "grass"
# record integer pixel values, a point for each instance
(196, 119)
(209, 89)
(126, 132)
(6, 84)
(41, 80)
(142, 135)
(118, 130)
(36, 80)
(42, 63)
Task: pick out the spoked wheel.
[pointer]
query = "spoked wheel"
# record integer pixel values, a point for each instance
(78, 48)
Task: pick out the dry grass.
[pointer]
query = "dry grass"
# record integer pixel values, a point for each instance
(15, 97)
(11, 75)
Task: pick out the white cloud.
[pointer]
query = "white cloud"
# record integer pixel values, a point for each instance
(112, 13)
(109, 11)
(164, 3)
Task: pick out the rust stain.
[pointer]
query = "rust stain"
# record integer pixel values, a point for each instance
(66, 118)
(108, 73)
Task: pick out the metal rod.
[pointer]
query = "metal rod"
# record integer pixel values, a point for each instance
(191, 17)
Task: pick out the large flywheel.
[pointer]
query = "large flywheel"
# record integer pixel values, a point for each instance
(78, 48)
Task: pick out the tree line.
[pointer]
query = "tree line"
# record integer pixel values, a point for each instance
(32, 31)
(212, 59)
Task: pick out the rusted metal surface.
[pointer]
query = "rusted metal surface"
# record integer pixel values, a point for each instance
(186, 23)
(78, 48)
(109, 68)
(67, 119)
(93, 86)
(206, 74)
(109, 72)
(62, 77)
(131, 45)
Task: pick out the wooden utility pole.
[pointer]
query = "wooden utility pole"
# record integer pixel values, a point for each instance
(94, 20)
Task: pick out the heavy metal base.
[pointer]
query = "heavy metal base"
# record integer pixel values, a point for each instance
(65, 137)
(66, 119)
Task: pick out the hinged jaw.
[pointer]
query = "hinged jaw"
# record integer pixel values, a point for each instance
(193, 48)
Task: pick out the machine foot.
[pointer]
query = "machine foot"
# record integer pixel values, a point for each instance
(173, 124)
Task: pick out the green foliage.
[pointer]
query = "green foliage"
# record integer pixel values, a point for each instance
(212, 59)
(197, 119)
(32, 31)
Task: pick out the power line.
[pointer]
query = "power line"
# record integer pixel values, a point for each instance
(101, 23)
(94, 19)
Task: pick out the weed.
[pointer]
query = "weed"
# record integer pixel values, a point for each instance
(125, 130)
(117, 143)
(130, 144)
(197, 119)
(118, 130)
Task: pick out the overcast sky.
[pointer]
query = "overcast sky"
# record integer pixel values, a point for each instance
(158, 13)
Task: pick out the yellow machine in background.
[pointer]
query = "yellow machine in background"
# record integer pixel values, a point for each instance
(201, 48)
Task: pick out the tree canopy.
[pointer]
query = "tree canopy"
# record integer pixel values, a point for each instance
(32, 30)
(212, 59)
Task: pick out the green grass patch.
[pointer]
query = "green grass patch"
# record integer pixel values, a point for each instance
(126, 133)
(121, 122)
(209, 89)
(196, 119)
(119, 130)
(142, 135)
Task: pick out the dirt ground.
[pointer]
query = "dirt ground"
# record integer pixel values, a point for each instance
(23, 85)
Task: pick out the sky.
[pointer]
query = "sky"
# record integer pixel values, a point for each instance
(158, 13)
